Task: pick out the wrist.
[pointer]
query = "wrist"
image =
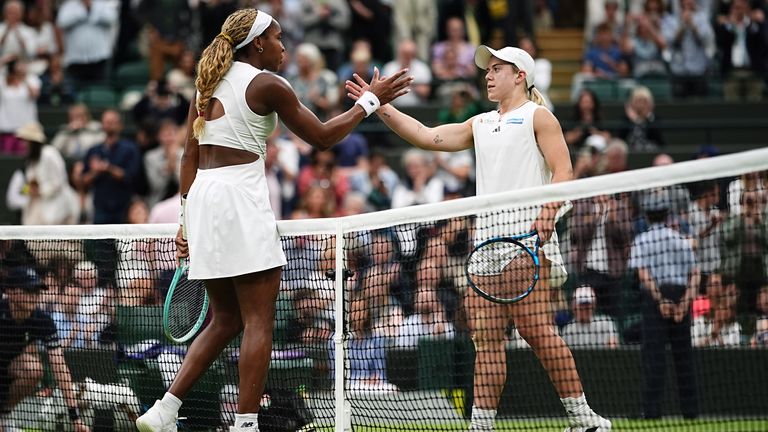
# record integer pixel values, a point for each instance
(369, 102)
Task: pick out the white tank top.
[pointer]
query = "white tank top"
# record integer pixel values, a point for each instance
(239, 127)
(508, 158)
(507, 155)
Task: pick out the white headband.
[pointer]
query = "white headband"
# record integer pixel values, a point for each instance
(262, 21)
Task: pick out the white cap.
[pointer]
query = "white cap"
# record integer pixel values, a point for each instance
(584, 295)
(516, 56)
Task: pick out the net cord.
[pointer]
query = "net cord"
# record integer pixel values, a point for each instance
(644, 178)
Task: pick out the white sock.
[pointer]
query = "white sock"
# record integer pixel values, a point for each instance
(482, 419)
(171, 402)
(577, 405)
(247, 421)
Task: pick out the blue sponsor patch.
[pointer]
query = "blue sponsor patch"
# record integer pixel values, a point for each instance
(515, 120)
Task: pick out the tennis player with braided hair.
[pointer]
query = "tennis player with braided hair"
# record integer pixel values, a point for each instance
(519, 145)
(233, 243)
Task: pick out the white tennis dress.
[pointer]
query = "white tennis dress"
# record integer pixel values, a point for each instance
(508, 158)
(231, 227)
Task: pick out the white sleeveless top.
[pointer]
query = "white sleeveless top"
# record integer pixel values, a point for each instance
(506, 152)
(239, 127)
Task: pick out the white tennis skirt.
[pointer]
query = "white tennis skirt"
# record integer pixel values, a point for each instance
(230, 224)
(504, 253)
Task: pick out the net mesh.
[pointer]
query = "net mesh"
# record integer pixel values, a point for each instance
(651, 298)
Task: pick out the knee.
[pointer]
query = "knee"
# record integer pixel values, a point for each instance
(488, 341)
(26, 367)
(536, 334)
(228, 323)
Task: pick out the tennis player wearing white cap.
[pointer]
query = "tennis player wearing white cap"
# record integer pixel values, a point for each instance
(518, 145)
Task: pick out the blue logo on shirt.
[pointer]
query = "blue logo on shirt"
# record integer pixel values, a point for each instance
(515, 120)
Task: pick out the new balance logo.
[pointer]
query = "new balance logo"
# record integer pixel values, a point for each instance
(371, 103)
(247, 425)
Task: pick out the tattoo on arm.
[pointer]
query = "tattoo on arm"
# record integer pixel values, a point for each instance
(419, 128)
(386, 114)
(437, 139)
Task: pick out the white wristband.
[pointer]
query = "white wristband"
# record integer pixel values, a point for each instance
(369, 102)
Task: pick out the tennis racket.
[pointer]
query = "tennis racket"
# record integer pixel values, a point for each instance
(186, 306)
(517, 257)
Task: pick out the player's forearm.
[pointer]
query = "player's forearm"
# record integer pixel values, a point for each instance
(405, 126)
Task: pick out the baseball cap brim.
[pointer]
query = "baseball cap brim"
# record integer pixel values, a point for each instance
(483, 55)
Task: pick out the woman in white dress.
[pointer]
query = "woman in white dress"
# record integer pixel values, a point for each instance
(525, 136)
(233, 240)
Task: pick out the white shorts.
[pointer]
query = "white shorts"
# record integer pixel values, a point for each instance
(230, 224)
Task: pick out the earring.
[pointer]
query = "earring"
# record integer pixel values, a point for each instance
(261, 50)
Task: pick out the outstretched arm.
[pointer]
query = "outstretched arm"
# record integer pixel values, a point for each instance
(274, 94)
(449, 137)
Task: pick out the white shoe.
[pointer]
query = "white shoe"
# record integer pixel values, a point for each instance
(588, 422)
(157, 419)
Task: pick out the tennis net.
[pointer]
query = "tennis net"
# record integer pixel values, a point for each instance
(374, 319)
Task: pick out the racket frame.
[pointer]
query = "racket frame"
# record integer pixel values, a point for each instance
(168, 305)
(517, 240)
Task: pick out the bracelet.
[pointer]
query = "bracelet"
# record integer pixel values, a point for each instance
(369, 102)
(74, 414)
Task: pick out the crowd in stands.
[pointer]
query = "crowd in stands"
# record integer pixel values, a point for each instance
(409, 283)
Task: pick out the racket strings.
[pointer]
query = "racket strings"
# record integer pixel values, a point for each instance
(188, 301)
(502, 270)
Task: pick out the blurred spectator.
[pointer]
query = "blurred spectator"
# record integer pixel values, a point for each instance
(640, 126)
(134, 260)
(741, 42)
(719, 327)
(162, 164)
(169, 29)
(422, 77)
(601, 233)
(454, 58)
(310, 326)
(755, 181)
(690, 40)
(366, 351)
(95, 310)
(415, 20)
(17, 40)
(161, 102)
(47, 43)
(87, 27)
(181, 79)
(542, 16)
(317, 201)
(429, 320)
(543, 68)
(273, 174)
(27, 331)
(139, 291)
(360, 62)
(744, 249)
(51, 199)
(378, 182)
(462, 103)
(760, 338)
(645, 44)
(421, 185)
(322, 171)
(351, 154)
(315, 86)
(615, 159)
(609, 12)
(324, 26)
(587, 119)
(588, 330)
(381, 279)
(109, 170)
(590, 158)
(79, 134)
(668, 277)
(57, 88)
(704, 219)
(66, 318)
(212, 14)
(18, 105)
(457, 171)
(603, 58)
(371, 20)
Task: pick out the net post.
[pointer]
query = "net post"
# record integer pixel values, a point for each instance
(342, 408)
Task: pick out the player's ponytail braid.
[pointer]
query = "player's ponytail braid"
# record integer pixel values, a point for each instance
(536, 97)
(217, 59)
